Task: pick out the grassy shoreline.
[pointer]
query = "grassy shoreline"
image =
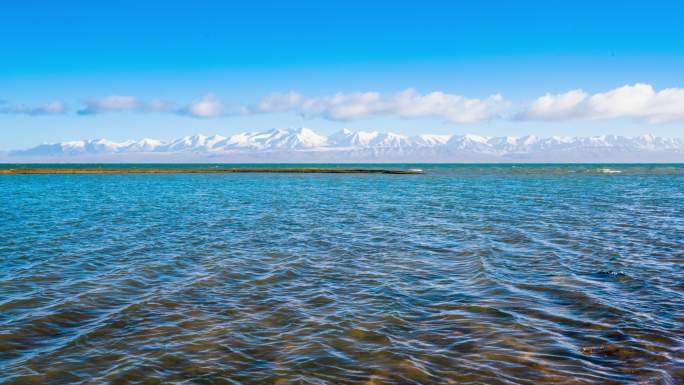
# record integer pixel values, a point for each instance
(38, 170)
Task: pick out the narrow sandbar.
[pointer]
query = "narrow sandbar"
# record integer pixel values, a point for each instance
(41, 170)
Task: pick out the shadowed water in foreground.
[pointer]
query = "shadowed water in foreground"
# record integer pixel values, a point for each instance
(465, 274)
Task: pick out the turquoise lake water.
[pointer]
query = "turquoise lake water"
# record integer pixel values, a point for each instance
(466, 274)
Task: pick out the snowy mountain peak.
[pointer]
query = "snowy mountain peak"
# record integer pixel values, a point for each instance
(306, 137)
(349, 138)
(430, 140)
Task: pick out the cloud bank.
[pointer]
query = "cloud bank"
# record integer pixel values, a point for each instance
(117, 103)
(406, 104)
(640, 102)
(55, 107)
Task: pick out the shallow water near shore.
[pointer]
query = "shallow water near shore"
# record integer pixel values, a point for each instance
(491, 274)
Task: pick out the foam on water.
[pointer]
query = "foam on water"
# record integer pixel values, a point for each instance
(608, 171)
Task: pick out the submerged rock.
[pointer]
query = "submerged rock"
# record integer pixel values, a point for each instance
(608, 351)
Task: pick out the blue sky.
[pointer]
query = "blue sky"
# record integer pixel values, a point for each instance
(212, 63)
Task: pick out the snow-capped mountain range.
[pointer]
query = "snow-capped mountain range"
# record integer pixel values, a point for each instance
(305, 145)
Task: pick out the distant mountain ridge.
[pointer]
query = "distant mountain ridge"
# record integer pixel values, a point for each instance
(305, 145)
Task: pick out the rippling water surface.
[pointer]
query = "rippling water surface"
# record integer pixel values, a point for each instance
(466, 274)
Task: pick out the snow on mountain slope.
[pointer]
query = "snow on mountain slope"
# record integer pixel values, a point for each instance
(348, 138)
(350, 145)
(470, 143)
(429, 140)
(276, 139)
(192, 143)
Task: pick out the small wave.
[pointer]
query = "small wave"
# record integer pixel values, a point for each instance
(608, 171)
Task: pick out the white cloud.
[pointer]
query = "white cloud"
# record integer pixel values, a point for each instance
(117, 103)
(639, 101)
(54, 107)
(555, 107)
(405, 104)
(455, 108)
(347, 106)
(209, 106)
(276, 102)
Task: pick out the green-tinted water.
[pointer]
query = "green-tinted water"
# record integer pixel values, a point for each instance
(465, 274)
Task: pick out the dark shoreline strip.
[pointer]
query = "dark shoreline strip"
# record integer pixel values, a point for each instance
(201, 171)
